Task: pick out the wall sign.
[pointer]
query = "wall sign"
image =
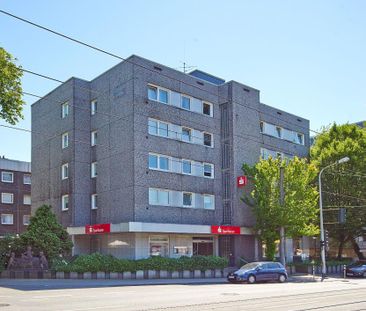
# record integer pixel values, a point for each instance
(225, 229)
(241, 181)
(97, 229)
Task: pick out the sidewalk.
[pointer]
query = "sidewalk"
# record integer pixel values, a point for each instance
(306, 278)
(48, 284)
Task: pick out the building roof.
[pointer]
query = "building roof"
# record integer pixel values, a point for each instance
(15, 165)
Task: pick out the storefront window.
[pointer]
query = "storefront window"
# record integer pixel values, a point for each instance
(159, 246)
(181, 250)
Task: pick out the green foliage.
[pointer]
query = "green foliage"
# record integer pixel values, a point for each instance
(8, 244)
(45, 234)
(107, 263)
(299, 212)
(343, 185)
(11, 103)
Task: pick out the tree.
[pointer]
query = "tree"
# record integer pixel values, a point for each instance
(344, 186)
(45, 234)
(299, 211)
(11, 103)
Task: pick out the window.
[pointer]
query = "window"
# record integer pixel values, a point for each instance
(186, 134)
(186, 167)
(261, 125)
(164, 163)
(65, 171)
(27, 199)
(7, 198)
(163, 129)
(208, 170)
(26, 220)
(279, 131)
(153, 127)
(159, 162)
(159, 246)
(153, 161)
(207, 109)
(94, 199)
(93, 138)
(187, 199)
(163, 96)
(186, 102)
(300, 138)
(158, 197)
(65, 202)
(152, 92)
(94, 170)
(64, 110)
(93, 107)
(7, 219)
(208, 201)
(207, 139)
(65, 140)
(27, 179)
(7, 177)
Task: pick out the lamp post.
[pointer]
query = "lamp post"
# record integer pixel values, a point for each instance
(322, 242)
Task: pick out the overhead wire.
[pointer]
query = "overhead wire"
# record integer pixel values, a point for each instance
(140, 65)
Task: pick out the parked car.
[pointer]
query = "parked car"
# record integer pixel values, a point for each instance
(357, 268)
(259, 271)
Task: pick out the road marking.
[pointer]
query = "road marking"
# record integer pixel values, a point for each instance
(47, 297)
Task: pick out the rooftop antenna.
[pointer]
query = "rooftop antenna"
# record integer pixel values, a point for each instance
(185, 67)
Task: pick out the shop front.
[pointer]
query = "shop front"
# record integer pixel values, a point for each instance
(141, 240)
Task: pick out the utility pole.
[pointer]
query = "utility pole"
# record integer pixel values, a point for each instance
(282, 229)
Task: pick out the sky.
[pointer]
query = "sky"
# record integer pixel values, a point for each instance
(305, 57)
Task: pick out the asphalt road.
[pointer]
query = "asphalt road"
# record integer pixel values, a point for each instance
(71, 295)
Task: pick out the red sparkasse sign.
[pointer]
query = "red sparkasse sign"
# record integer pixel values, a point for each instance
(97, 229)
(225, 229)
(241, 181)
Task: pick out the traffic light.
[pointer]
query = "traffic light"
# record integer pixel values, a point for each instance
(326, 240)
(342, 215)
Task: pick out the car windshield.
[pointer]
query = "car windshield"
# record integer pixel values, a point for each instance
(358, 264)
(250, 265)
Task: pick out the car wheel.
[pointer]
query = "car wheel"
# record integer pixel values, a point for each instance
(281, 278)
(364, 274)
(251, 279)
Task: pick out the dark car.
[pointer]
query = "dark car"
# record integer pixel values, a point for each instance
(259, 271)
(356, 269)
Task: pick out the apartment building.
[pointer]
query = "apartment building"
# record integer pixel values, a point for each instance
(15, 200)
(145, 160)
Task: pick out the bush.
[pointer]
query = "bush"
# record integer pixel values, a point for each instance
(107, 263)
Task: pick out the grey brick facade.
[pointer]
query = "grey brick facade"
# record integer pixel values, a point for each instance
(124, 143)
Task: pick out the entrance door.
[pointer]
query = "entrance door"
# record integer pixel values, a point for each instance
(203, 246)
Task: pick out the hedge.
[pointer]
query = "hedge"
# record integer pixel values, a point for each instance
(107, 263)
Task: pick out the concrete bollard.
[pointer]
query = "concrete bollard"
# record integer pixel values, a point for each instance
(113, 275)
(60, 275)
(163, 274)
(175, 274)
(208, 274)
(127, 275)
(197, 274)
(139, 274)
(87, 275)
(74, 275)
(218, 273)
(151, 274)
(186, 274)
(100, 275)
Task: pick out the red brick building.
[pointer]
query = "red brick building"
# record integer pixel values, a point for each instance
(15, 196)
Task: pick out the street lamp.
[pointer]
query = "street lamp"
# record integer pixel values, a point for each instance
(322, 242)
